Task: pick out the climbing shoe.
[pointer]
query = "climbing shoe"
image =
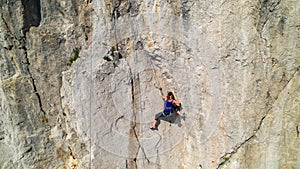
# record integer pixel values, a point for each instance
(153, 128)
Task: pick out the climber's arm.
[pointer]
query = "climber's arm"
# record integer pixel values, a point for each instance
(162, 94)
(177, 102)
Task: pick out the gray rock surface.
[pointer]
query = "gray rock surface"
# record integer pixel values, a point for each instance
(79, 84)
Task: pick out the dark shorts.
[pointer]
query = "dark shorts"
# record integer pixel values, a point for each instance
(161, 115)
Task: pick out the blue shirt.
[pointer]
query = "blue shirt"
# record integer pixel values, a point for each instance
(168, 106)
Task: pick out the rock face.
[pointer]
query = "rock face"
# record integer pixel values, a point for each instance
(80, 78)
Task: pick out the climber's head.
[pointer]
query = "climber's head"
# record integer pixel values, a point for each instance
(171, 96)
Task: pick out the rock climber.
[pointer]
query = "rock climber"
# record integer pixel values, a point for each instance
(171, 105)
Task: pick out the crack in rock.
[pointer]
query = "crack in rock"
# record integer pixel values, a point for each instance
(117, 120)
(297, 131)
(133, 131)
(44, 119)
(140, 145)
(135, 104)
(226, 157)
(157, 150)
(22, 42)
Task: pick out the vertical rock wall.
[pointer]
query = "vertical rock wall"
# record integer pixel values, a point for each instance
(79, 84)
(37, 42)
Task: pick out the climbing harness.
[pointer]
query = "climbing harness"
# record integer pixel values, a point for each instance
(167, 115)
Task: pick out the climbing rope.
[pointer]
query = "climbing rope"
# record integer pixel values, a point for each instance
(157, 83)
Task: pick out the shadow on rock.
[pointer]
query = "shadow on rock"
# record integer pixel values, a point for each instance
(173, 119)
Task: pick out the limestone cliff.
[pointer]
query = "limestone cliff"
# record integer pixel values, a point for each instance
(79, 84)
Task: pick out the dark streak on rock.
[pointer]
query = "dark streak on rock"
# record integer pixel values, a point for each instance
(29, 150)
(71, 153)
(135, 102)
(117, 120)
(266, 7)
(281, 25)
(32, 13)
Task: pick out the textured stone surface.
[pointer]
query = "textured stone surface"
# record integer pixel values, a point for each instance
(234, 66)
(34, 131)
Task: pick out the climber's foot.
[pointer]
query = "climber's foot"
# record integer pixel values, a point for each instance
(153, 128)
